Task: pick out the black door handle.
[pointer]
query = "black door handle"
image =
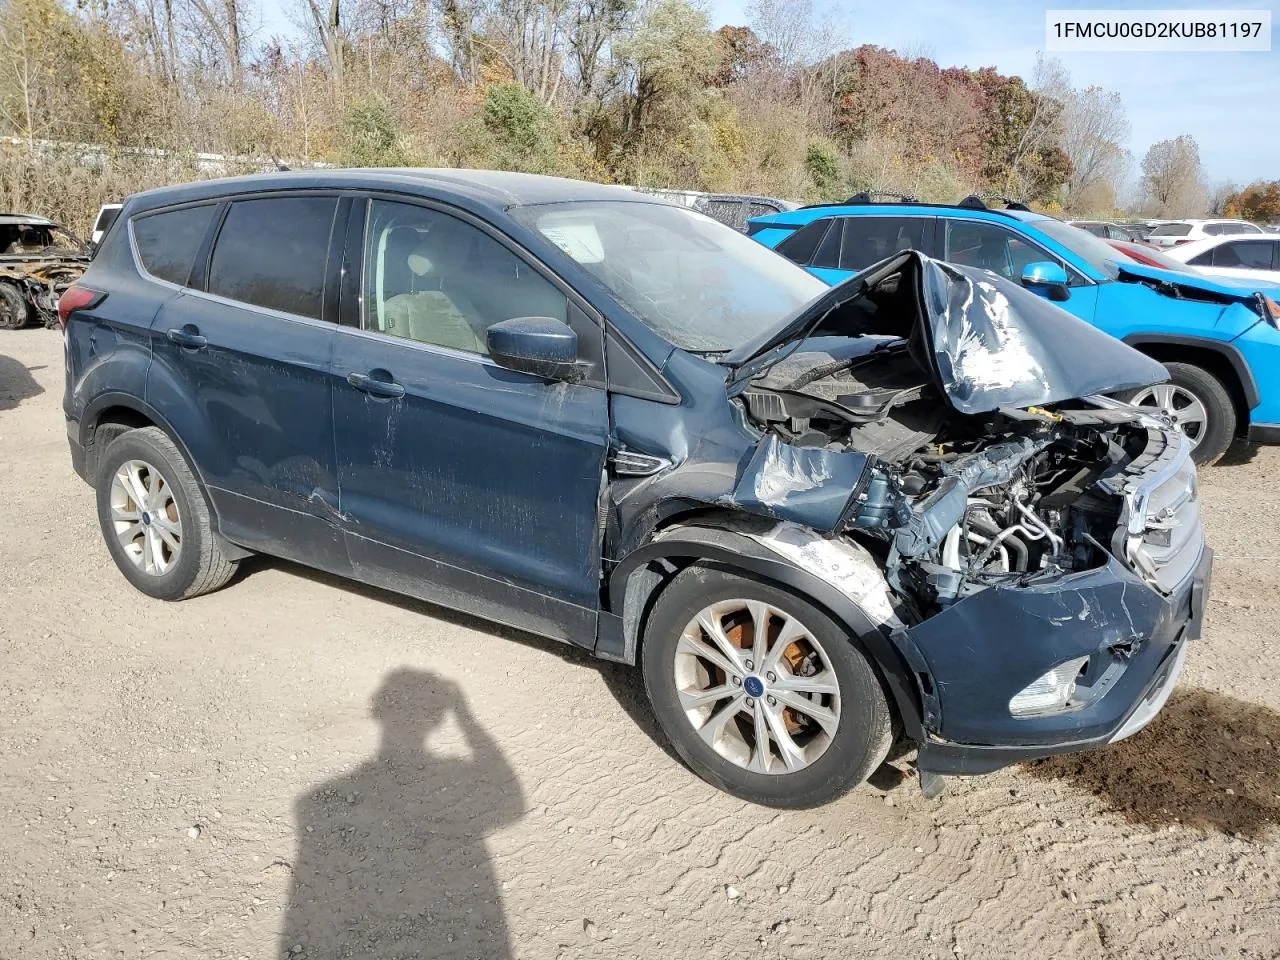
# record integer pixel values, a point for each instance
(187, 336)
(374, 387)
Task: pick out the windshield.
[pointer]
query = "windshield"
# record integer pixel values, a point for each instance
(701, 285)
(1171, 230)
(1093, 250)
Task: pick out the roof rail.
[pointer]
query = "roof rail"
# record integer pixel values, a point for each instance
(868, 196)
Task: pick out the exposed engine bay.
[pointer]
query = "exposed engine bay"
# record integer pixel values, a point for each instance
(955, 502)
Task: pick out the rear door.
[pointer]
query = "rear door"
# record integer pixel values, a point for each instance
(463, 482)
(242, 371)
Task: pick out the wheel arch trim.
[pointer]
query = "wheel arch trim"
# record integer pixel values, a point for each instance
(1231, 353)
(891, 650)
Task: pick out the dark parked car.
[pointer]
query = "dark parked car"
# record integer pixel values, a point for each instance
(734, 210)
(820, 520)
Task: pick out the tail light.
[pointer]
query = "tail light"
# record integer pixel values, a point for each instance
(74, 298)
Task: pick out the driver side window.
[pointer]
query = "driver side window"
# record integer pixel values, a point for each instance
(975, 244)
(433, 278)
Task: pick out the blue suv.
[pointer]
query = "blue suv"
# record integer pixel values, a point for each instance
(820, 520)
(1217, 338)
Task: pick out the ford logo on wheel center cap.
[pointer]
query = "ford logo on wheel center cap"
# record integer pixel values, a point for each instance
(754, 686)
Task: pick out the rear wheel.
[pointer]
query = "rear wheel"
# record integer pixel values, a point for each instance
(14, 309)
(760, 692)
(1198, 404)
(155, 520)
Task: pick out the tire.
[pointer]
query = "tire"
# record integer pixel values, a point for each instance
(861, 733)
(169, 502)
(1219, 426)
(15, 312)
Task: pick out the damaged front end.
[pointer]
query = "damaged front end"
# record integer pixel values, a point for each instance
(1036, 554)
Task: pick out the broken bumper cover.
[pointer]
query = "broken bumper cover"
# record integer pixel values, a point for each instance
(1135, 638)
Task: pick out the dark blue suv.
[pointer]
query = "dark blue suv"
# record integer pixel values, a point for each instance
(819, 520)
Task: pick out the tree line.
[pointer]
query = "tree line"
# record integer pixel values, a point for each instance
(627, 91)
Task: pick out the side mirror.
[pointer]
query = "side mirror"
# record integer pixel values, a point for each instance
(543, 346)
(1047, 277)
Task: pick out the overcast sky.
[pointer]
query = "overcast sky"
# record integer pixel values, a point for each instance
(1230, 102)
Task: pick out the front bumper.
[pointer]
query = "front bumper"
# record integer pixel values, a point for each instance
(1101, 613)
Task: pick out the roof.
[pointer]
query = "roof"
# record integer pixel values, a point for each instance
(806, 215)
(493, 189)
(25, 219)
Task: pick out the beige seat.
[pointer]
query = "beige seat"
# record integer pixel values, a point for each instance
(427, 312)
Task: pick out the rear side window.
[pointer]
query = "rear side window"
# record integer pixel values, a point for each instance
(167, 242)
(870, 239)
(1247, 254)
(271, 253)
(800, 246)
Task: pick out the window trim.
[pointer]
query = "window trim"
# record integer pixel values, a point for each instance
(136, 252)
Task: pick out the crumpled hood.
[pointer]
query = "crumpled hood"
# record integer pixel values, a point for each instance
(992, 343)
(1241, 289)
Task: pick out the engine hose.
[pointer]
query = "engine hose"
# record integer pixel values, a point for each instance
(1010, 542)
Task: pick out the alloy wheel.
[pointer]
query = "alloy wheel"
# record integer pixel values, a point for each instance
(1184, 408)
(756, 686)
(144, 517)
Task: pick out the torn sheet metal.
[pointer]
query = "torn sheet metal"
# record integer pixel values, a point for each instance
(993, 343)
(807, 485)
(996, 344)
(845, 565)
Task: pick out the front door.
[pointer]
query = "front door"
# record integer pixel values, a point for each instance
(980, 243)
(460, 481)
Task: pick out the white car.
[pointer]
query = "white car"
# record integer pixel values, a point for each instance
(1174, 233)
(1255, 256)
(102, 223)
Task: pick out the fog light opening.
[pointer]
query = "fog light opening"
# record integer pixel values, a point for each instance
(1050, 692)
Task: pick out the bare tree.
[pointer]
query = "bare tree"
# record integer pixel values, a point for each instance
(1050, 84)
(222, 19)
(1174, 178)
(328, 26)
(1094, 129)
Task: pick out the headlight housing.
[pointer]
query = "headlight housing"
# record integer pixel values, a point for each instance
(1050, 692)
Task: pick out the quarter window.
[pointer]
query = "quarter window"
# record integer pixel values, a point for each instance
(167, 242)
(272, 253)
(1247, 254)
(432, 278)
(801, 245)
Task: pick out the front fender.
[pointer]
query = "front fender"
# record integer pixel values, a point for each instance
(633, 587)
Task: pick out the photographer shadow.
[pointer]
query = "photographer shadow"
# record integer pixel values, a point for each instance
(391, 859)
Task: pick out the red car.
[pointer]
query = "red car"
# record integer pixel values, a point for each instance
(1150, 256)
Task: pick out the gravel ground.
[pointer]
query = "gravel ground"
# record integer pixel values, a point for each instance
(300, 766)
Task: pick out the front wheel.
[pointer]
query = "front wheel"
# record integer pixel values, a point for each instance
(761, 693)
(1198, 404)
(14, 309)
